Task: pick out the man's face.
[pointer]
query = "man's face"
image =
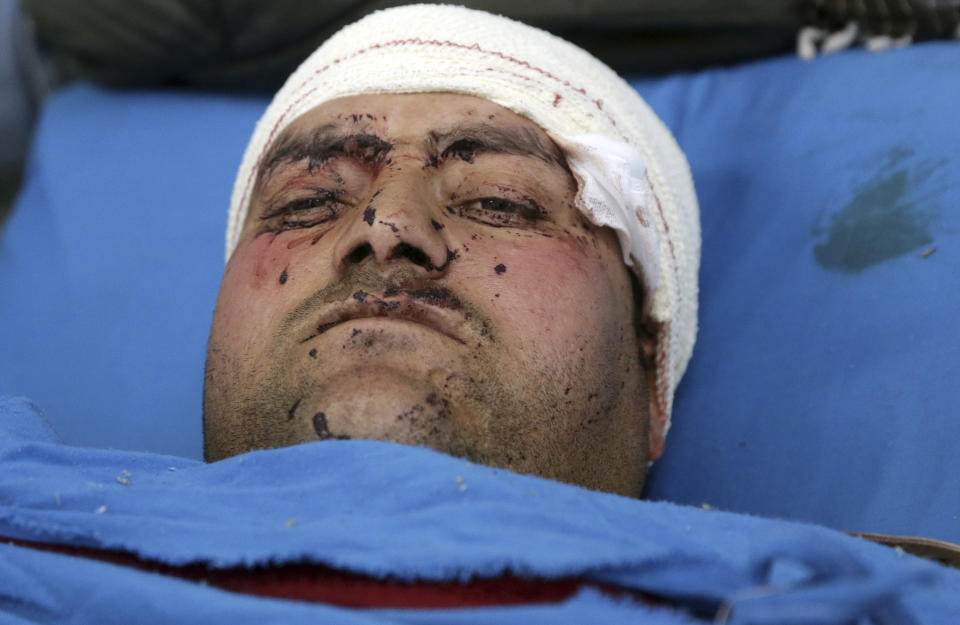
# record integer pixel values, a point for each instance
(412, 268)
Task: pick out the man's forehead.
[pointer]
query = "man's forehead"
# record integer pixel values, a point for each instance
(368, 127)
(408, 113)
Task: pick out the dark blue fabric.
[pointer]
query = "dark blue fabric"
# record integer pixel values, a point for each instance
(411, 513)
(823, 386)
(824, 382)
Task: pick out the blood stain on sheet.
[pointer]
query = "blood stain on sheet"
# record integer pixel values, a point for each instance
(889, 216)
(369, 214)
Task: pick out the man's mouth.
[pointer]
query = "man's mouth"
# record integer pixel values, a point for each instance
(434, 308)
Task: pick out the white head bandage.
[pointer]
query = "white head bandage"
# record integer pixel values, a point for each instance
(631, 174)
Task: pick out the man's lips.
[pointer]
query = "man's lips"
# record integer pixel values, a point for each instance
(432, 307)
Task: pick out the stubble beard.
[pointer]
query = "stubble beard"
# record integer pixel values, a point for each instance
(486, 407)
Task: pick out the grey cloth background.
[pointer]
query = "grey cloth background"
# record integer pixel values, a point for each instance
(919, 19)
(254, 45)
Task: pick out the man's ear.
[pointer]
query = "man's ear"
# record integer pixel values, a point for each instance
(657, 419)
(647, 332)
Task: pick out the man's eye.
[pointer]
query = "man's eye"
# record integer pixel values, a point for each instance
(305, 204)
(306, 212)
(501, 205)
(497, 211)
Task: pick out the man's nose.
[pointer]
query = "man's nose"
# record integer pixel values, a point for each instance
(396, 225)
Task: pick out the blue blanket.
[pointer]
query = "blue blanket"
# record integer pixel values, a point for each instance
(412, 514)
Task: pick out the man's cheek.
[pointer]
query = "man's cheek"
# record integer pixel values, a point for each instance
(543, 286)
(259, 264)
(245, 301)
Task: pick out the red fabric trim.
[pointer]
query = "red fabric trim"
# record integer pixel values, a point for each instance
(319, 583)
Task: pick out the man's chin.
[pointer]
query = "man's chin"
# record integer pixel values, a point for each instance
(380, 402)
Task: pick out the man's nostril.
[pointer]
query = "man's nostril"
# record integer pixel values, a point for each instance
(413, 254)
(359, 253)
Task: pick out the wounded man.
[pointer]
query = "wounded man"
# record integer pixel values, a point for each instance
(460, 292)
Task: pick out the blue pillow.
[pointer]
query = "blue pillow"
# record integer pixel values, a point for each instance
(110, 265)
(823, 386)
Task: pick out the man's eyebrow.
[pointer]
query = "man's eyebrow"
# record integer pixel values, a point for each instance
(321, 144)
(467, 141)
(462, 141)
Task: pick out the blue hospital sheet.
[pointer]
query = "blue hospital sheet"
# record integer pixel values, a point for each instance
(409, 513)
